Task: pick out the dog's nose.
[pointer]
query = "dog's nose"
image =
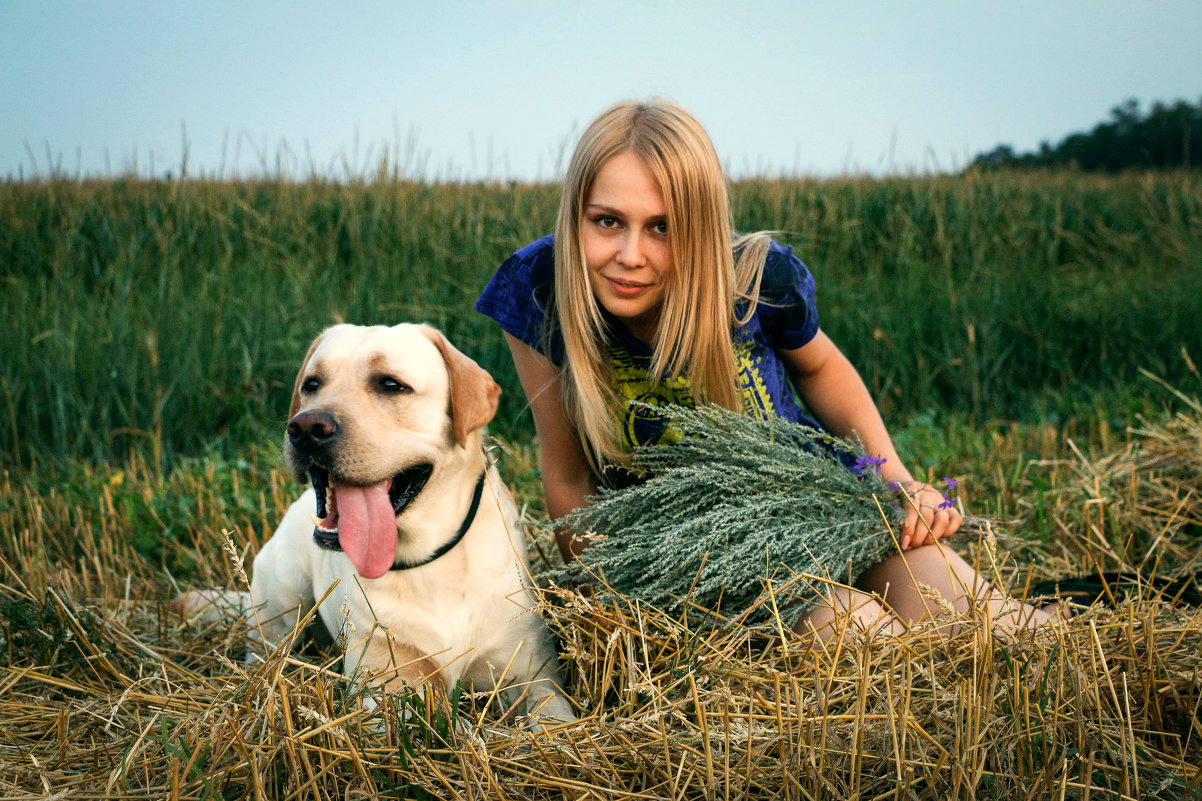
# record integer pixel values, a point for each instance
(311, 429)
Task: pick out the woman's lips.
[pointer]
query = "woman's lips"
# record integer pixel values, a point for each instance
(626, 288)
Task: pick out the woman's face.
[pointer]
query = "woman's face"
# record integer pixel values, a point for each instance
(625, 238)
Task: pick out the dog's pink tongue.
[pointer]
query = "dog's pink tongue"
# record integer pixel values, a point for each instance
(366, 527)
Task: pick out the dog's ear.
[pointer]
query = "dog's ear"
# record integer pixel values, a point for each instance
(474, 394)
(292, 410)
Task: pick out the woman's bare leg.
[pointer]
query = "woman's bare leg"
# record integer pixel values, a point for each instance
(896, 579)
(848, 611)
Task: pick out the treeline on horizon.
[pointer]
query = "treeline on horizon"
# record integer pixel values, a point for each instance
(1166, 137)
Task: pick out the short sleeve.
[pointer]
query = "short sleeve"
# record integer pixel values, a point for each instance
(787, 312)
(518, 295)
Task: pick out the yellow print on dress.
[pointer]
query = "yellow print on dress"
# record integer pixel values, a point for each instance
(641, 398)
(757, 400)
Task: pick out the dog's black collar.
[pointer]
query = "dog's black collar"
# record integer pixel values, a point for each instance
(467, 523)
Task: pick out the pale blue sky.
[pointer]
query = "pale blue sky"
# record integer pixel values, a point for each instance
(498, 89)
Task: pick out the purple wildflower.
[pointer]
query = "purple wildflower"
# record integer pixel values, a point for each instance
(867, 461)
(951, 485)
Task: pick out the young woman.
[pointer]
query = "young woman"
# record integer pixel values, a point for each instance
(643, 297)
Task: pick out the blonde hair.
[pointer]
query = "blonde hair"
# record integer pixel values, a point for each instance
(693, 336)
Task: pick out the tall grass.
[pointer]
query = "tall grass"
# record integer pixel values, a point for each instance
(983, 292)
(169, 317)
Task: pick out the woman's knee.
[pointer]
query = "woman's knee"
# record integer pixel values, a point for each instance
(847, 610)
(917, 583)
(934, 565)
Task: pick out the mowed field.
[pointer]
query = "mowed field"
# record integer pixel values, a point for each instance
(1030, 334)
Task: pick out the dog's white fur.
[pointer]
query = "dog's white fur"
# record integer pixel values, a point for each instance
(464, 615)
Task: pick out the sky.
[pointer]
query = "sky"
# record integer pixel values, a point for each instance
(458, 90)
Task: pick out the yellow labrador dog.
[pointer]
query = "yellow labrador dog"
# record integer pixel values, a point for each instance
(407, 517)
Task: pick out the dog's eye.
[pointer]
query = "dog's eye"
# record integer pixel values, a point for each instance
(393, 387)
(310, 385)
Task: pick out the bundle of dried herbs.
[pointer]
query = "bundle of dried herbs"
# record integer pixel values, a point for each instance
(740, 516)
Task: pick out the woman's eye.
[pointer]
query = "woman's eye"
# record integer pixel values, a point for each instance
(660, 228)
(605, 221)
(310, 385)
(394, 387)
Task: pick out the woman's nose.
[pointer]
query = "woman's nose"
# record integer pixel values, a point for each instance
(630, 254)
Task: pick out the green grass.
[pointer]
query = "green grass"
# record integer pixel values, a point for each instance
(169, 317)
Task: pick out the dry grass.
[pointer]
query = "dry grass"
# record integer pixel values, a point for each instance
(1139, 507)
(103, 694)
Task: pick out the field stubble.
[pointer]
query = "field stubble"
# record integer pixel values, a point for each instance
(104, 693)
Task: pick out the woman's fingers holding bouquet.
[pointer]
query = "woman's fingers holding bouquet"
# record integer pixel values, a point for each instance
(930, 515)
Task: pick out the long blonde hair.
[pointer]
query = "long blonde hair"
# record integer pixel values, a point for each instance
(693, 336)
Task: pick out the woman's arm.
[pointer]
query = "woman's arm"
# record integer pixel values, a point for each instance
(835, 393)
(567, 478)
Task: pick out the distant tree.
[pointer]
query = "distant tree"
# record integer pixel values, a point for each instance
(1166, 137)
(1000, 156)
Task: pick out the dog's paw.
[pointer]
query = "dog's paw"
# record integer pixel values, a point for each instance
(211, 606)
(554, 710)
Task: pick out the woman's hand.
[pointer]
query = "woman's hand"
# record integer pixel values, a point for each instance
(929, 515)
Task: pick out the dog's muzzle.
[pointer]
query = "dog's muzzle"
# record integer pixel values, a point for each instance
(403, 488)
(312, 431)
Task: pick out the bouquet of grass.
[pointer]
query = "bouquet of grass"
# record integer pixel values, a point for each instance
(741, 517)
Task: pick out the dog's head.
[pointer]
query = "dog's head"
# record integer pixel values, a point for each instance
(375, 412)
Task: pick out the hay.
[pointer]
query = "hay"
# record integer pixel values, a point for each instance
(103, 694)
(1135, 509)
